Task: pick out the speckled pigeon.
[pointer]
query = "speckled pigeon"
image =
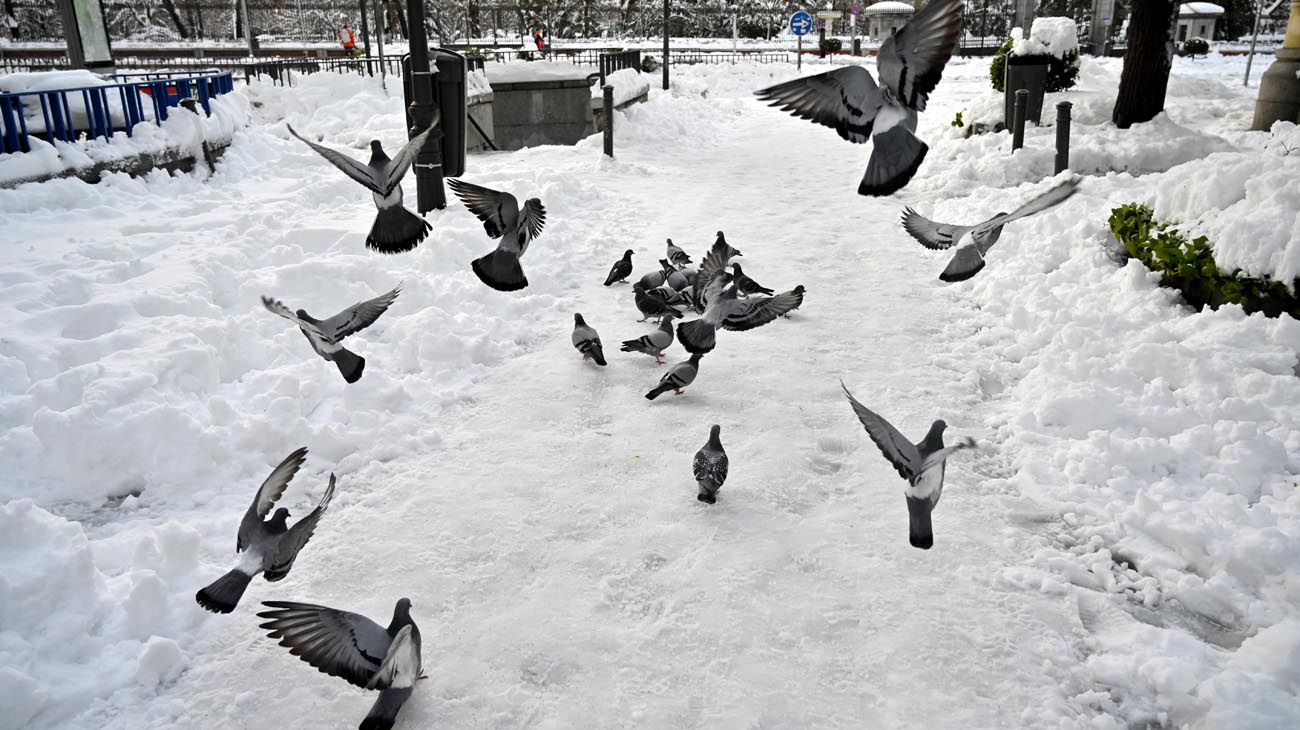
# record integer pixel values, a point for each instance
(324, 335)
(503, 219)
(710, 467)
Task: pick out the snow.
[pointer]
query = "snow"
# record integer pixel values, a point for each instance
(628, 84)
(77, 105)
(1199, 9)
(520, 71)
(476, 84)
(1119, 552)
(1047, 37)
(889, 6)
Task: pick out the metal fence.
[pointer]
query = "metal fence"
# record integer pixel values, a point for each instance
(611, 62)
(281, 71)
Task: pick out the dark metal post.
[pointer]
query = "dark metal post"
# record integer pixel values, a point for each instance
(1018, 120)
(365, 31)
(609, 119)
(429, 191)
(665, 45)
(1062, 136)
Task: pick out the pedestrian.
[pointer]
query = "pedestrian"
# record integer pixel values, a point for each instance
(348, 39)
(538, 39)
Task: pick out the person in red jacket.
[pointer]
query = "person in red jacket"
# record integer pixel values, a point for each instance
(348, 39)
(538, 39)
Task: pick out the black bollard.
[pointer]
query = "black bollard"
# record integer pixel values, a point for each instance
(609, 119)
(1018, 120)
(1062, 135)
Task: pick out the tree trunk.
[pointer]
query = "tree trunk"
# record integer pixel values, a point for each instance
(170, 7)
(1147, 61)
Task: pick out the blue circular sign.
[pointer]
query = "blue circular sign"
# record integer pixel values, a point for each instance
(801, 23)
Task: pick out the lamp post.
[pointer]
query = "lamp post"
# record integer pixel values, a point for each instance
(429, 192)
(665, 45)
(1279, 87)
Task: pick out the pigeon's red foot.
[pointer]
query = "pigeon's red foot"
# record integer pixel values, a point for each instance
(678, 393)
(422, 676)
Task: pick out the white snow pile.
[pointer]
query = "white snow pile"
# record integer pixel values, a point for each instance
(1047, 37)
(522, 71)
(78, 106)
(628, 84)
(476, 83)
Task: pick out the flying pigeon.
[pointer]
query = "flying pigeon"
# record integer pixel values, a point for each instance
(921, 464)
(324, 335)
(621, 269)
(746, 286)
(654, 343)
(713, 276)
(587, 341)
(676, 255)
(678, 376)
(725, 311)
(710, 467)
(848, 100)
(395, 229)
(266, 546)
(651, 305)
(974, 241)
(352, 647)
(502, 219)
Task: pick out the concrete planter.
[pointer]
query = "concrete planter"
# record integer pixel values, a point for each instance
(531, 113)
(481, 109)
(1025, 72)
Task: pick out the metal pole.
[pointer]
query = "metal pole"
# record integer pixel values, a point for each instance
(1259, 7)
(735, 32)
(608, 91)
(429, 191)
(365, 31)
(379, 39)
(1062, 136)
(248, 26)
(665, 45)
(798, 54)
(1018, 120)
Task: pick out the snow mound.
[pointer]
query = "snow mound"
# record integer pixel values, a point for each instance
(1047, 37)
(628, 84)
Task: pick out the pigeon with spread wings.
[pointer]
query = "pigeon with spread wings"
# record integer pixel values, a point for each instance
(395, 229)
(848, 100)
(974, 241)
(324, 335)
(726, 311)
(502, 218)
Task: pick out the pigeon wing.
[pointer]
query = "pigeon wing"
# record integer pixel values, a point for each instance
(715, 261)
(401, 665)
(267, 495)
(352, 168)
(911, 61)
(932, 234)
(534, 218)
(757, 312)
(275, 306)
(359, 316)
(344, 644)
(296, 538)
(396, 168)
(1052, 196)
(845, 100)
(491, 206)
(896, 448)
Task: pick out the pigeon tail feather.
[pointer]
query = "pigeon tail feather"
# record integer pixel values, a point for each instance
(697, 336)
(896, 155)
(383, 713)
(224, 593)
(708, 494)
(350, 364)
(396, 230)
(501, 271)
(919, 532)
(659, 390)
(598, 355)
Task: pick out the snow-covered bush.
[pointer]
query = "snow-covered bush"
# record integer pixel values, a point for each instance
(1196, 47)
(1051, 38)
(1189, 266)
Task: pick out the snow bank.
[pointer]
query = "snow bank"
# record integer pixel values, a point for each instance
(1047, 37)
(78, 107)
(476, 84)
(519, 71)
(628, 84)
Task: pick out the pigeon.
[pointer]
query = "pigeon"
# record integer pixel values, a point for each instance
(395, 229)
(713, 274)
(678, 280)
(746, 286)
(731, 252)
(710, 467)
(502, 219)
(266, 546)
(910, 63)
(651, 305)
(921, 464)
(621, 269)
(653, 279)
(678, 376)
(670, 296)
(587, 341)
(974, 241)
(798, 290)
(724, 310)
(352, 647)
(676, 255)
(324, 335)
(654, 343)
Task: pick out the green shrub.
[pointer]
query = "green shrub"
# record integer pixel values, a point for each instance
(1196, 47)
(1189, 266)
(1062, 73)
(956, 121)
(649, 64)
(831, 45)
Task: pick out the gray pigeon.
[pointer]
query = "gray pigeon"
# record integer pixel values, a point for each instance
(621, 269)
(352, 647)
(653, 279)
(395, 229)
(974, 241)
(502, 219)
(266, 546)
(713, 274)
(746, 286)
(650, 305)
(798, 290)
(678, 376)
(848, 100)
(728, 312)
(654, 343)
(710, 467)
(921, 464)
(587, 341)
(324, 335)
(677, 280)
(732, 252)
(676, 255)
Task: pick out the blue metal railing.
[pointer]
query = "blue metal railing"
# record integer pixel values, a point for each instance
(136, 101)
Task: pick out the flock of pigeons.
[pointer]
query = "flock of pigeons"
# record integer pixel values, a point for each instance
(719, 293)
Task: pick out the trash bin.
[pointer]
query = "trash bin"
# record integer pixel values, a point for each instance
(857, 46)
(449, 96)
(1025, 72)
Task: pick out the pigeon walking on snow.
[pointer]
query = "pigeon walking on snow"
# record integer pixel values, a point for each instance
(710, 467)
(266, 546)
(324, 335)
(973, 242)
(848, 100)
(730, 250)
(650, 305)
(352, 647)
(587, 341)
(727, 312)
(502, 218)
(621, 269)
(395, 229)
(746, 286)
(921, 464)
(654, 343)
(678, 376)
(676, 255)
